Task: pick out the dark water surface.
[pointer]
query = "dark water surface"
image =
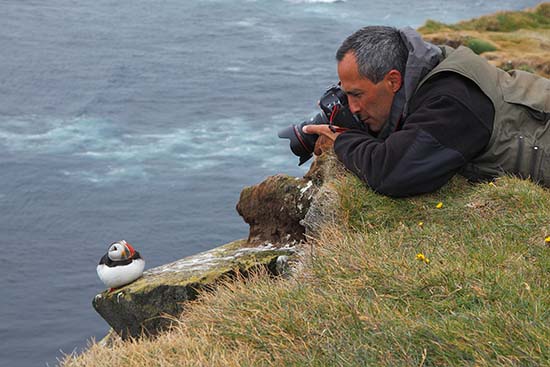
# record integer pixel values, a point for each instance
(143, 120)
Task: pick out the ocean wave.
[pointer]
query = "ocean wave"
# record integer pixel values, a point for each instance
(98, 150)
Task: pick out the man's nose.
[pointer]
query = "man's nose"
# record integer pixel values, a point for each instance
(353, 106)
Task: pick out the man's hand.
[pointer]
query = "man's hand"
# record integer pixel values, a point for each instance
(326, 137)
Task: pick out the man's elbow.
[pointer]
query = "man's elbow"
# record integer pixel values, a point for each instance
(402, 188)
(394, 191)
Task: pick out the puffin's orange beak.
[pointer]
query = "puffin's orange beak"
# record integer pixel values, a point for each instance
(131, 249)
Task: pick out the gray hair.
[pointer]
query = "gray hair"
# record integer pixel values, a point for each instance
(378, 49)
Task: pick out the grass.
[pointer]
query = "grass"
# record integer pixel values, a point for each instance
(508, 40)
(479, 296)
(506, 21)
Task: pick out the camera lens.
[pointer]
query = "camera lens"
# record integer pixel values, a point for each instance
(302, 144)
(334, 105)
(299, 144)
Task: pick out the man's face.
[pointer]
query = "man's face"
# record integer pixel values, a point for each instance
(370, 102)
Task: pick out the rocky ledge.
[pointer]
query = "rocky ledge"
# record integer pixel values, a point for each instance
(143, 305)
(282, 212)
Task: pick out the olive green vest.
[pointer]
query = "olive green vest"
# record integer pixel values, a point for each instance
(520, 141)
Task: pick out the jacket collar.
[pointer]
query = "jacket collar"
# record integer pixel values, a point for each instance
(423, 57)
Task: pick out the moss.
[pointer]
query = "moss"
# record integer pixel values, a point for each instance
(480, 46)
(234, 245)
(527, 68)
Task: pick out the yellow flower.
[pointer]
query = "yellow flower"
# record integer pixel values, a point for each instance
(420, 257)
(547, 240)
(439, 205)
(420, 224)
(492, 184)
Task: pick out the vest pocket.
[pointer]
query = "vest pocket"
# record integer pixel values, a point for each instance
(541, 116)
(530, 160)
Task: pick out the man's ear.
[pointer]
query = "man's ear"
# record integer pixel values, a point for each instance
(394, 80)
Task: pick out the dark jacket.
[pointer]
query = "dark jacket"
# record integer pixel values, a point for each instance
(449, 122)
(459, 114)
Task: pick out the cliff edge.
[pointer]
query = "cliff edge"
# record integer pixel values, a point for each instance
(281, 211)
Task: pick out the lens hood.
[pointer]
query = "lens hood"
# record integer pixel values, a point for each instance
(298, 144)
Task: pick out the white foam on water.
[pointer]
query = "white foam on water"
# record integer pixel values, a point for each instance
(272, 33)
(102, 152)
(41, 135)
(247, 22)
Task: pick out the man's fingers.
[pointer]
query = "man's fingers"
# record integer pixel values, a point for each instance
(326, 137)
(319, 130)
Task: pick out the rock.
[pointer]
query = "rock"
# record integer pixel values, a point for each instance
(276, 208)
(273, 209)
(322, 212)
(325, 168)
(280, 211)
(142, 305)
(324, 204)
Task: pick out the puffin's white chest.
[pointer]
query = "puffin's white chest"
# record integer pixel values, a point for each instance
(117, 276)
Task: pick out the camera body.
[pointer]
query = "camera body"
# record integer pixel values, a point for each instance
(334, 111)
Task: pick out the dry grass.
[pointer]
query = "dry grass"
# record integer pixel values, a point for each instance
(510, 40)
(477, 297)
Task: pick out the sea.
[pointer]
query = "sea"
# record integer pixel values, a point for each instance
(143, 120)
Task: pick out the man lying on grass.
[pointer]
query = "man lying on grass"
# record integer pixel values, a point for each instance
(432, 112)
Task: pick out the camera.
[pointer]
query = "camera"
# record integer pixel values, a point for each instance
(334, 112)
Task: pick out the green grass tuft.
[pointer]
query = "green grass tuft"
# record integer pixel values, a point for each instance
(432, 26)
(480, 46)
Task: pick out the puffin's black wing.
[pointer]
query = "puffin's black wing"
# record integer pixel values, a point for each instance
(110, 263)
(104, 260)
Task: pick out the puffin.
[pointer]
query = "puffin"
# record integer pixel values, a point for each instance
(121, 265)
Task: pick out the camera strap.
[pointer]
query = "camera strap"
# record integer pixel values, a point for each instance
(331, 126)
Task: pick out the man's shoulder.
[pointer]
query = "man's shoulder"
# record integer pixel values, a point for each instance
(448, 84)
(454, 92)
